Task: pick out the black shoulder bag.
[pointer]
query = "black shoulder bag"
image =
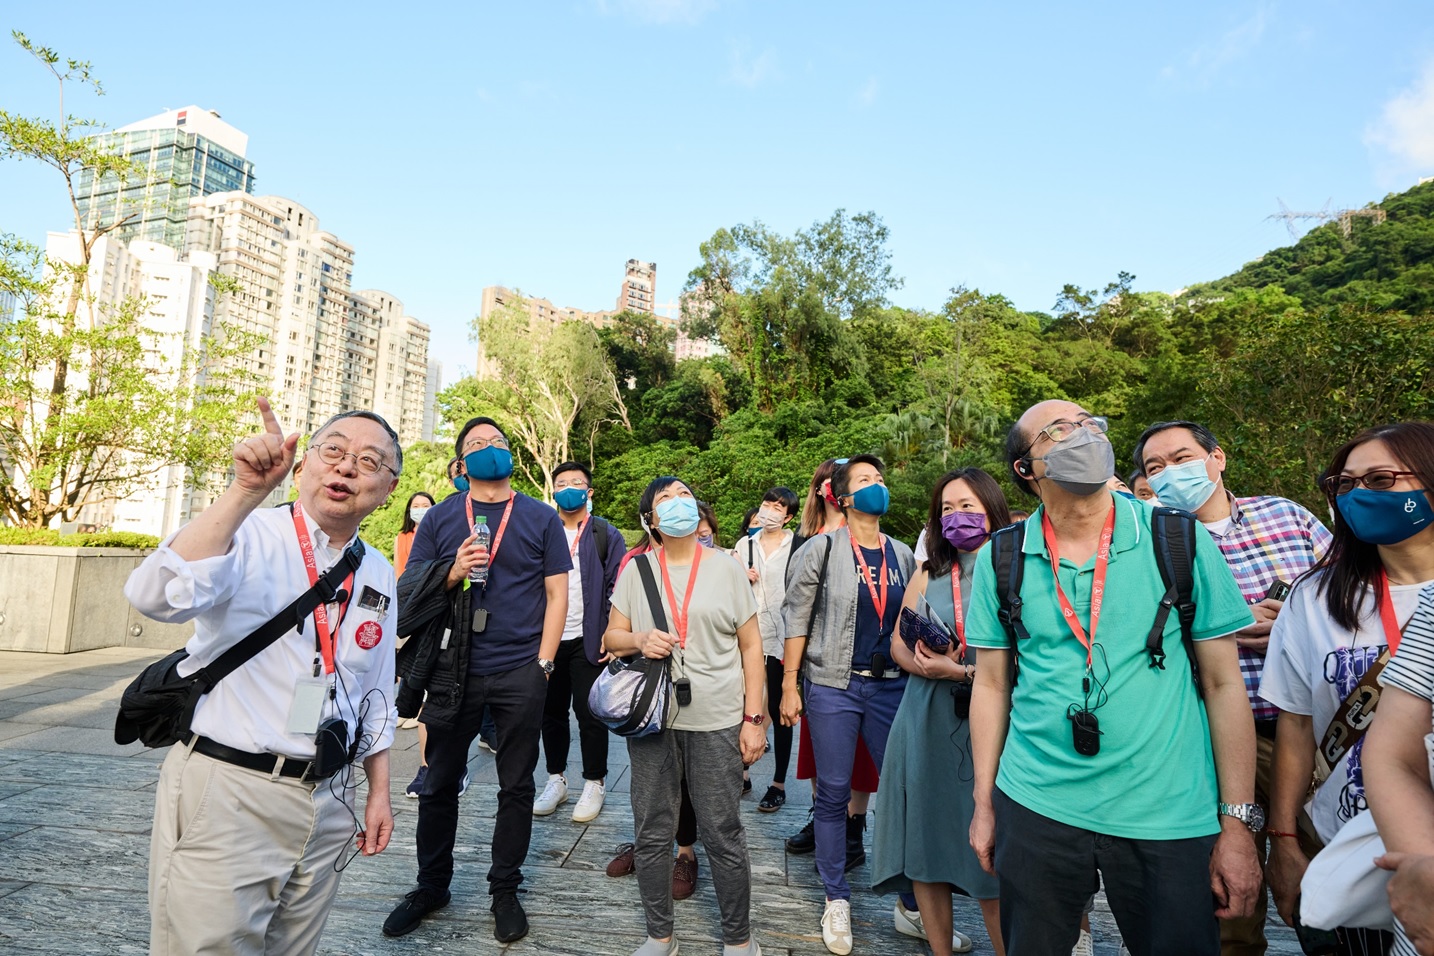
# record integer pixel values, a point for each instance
(158, 705)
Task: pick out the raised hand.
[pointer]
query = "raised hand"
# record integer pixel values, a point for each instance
(263, 461)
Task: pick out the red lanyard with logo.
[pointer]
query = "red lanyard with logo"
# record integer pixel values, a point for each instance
(1387, 615)
(1097, 590)
(321, 612)
(878, 603)
(679, 615)
(502, 526)
(956, 604)
(573, 549)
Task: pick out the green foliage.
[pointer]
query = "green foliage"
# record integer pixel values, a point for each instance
(425, 468)
(100, 539)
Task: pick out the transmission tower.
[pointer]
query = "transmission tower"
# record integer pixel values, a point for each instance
(1345, 217)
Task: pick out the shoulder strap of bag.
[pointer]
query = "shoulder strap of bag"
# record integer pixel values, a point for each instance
(1007, 561)
(656, 670)
(821, 586)
(654, 599)
(1173, 535)
(600, 538)
(324, 591)
(797, 542)
(1352, 720)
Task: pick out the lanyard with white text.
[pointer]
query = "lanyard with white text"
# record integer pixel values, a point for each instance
(502, 526)
(321, 611)
(879, 604)
(956, 605)
(1387, 616)
(679, 615)
(573, 551)
(1097, 589)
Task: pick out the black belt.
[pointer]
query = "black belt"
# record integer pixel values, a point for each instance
(1266, 727)
(264, 763)
(891, 673)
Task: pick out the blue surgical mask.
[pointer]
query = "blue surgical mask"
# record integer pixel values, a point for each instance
(677, 517)
(752, 532)
(1186, 486)
(571, 499)
(489, 464)
(1385, 517)
(874, 499)
(417, 514)
(461, 483)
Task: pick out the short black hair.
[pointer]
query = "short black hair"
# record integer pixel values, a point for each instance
(373, 417)
(783, 496)
(841, 476)
(649, 495)
(408, 523)
(705, 512)
(568, 466)
(1204, 437)
(471, 424)
(1016, 448)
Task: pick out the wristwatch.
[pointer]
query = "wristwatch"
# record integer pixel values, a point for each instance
(754, 719)
(547, 666)
(1251, 815)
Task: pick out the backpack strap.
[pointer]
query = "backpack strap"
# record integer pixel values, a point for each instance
(600, 538)
(1173, 536)
(1008, 562)
(797, 542)
(821, 586)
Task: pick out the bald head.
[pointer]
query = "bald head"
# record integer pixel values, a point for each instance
(1027, 429)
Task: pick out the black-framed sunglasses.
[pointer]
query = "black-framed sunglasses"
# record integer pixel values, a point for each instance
(1381, 480)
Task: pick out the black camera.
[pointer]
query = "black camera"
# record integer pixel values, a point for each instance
(683, 686)
(1085, 733)
(331, 749)
(961, 696)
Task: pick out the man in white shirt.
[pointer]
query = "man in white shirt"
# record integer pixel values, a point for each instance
(247, 845)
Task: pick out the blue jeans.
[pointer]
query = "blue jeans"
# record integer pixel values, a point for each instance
(867, 707)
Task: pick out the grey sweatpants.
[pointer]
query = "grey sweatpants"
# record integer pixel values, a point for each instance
(712, 762)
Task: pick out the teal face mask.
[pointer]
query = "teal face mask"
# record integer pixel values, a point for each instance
(874, 499)
(489, 464)
(461, 483)
(571, 499)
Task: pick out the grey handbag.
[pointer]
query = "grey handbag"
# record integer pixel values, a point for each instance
(634, 695)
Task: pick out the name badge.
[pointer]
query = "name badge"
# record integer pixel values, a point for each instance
(307, 706)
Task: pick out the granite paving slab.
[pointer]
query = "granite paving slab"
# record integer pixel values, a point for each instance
(85, 711)
(8, 830)
(14, 729)
(74, 740)
(80, 858)
(52, 918)
(94, 808)
(80, 770)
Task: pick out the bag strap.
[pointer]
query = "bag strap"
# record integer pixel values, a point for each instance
(821, 586)
(1352, 720)
(324, 591)
(797, 542)
(600, 538)
(1173, 534)
(649, 687)
(1008, 562)
(654, 599)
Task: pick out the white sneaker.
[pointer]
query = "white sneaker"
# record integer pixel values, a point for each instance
(1084, 946)
(908, 923)
(554, 794)
(836, 927)
(590, 803)
(408, 723)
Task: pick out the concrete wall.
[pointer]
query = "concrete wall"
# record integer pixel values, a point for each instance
(59, 600)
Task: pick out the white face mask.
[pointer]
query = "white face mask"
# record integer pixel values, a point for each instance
(417, 514)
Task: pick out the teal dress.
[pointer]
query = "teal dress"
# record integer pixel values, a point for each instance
(925, 803)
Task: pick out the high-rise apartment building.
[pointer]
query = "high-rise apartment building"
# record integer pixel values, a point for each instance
(181, 154)
(639, 287)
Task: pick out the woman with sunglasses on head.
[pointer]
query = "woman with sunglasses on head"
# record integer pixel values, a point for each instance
(714, 645)
(1341, 623)
(840, 644)
(925, 807)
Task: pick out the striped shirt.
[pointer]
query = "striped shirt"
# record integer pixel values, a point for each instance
(1268, 539)
(1412, 668)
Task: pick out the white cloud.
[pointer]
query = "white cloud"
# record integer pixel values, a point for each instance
(752, 71)
(1203, 63)
(658, 11)
(867, 94)
(1405, 128)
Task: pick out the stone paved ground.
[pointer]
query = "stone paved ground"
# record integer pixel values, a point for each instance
(74, 837)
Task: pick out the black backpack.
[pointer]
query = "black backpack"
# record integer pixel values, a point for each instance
(1173, 536)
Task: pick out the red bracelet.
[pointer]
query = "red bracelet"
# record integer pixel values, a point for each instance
(1281, 833)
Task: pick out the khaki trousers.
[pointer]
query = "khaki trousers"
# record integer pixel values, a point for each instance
(241, 862)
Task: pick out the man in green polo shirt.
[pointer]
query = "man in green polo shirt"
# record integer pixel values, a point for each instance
(1096, 761)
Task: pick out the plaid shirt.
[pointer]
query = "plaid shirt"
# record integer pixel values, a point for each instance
(1269, 538)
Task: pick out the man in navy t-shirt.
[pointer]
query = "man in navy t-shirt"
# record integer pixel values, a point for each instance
(513, 624)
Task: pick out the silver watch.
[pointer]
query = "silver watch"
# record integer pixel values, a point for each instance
(1251, 815)
(547, 666)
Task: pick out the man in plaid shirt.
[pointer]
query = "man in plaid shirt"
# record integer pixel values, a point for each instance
(1265, 540)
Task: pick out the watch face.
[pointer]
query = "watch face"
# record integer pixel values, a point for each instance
(1257, 817)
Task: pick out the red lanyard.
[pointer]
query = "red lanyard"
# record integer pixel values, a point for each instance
(1097, 590)
(502, 526)
(679, 616)
(1387, 616)
(879, 604)
(956, 604)
(321, 612)
(573, 550)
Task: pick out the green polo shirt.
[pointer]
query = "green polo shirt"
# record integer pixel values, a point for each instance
(1154, 778)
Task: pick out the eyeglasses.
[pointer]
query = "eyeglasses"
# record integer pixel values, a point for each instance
(1060, 431)
(1336, 485)
(478, 444)
(367, 464)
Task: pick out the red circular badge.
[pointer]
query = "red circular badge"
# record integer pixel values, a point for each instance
(368, 635)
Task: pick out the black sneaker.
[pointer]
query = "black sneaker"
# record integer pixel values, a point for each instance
(805, 839)
(415, 906)
(509, 921)
(855, 848)
(773, 800)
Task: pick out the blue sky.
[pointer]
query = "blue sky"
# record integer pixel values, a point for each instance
(1011, 147)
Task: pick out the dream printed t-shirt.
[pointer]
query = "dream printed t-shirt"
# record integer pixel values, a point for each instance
(533, 548)
(873, 636)
(1310, 668)
(721, 602)
(1154, 777)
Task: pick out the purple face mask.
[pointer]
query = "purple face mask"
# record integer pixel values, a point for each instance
(965, 530)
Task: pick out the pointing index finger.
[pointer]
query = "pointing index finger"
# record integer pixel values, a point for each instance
(271, 423)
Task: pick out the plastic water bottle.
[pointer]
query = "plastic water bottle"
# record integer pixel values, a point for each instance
(479, 574)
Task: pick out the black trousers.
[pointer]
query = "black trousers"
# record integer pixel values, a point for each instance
(573, 677)
(1159, 890)
(515, 700)
(781, 736)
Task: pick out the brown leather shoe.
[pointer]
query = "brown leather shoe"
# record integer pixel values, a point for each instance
(684, 877)
(622, 864)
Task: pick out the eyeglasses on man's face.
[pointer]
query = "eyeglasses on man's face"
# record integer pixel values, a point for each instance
(478, 444)
(366, 463)
(1380, 480)
(1061, 430)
